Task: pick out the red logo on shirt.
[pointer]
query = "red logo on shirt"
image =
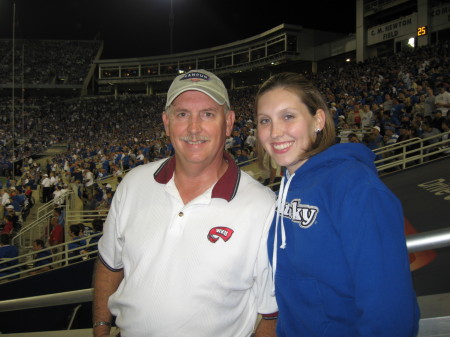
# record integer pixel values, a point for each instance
(220, 232)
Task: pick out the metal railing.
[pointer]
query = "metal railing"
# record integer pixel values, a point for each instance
(435, 239)
(397, 156)
(39, 228)
(401, 156)
(60, 201)
(60, 256)
(417, 151)
(35, 230)
(60, 253)
(417, 242)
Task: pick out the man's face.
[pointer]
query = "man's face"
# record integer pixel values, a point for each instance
(197, 127)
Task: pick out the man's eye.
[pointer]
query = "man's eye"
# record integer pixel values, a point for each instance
(207, 115)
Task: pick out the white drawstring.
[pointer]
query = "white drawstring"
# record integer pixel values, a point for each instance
(281, 202)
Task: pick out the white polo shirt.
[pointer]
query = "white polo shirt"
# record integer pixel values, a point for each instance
(46, 182)
(199, 269)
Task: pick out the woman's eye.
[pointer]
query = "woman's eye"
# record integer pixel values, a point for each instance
(264, 121)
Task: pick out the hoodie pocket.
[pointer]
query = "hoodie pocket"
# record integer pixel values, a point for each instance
(301, 306)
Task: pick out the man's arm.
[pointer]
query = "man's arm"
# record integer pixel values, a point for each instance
(266, 328)
(105, 283)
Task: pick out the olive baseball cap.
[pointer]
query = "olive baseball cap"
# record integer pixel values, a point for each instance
(199, 80)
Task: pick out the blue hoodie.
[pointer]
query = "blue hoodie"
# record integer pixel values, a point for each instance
(343, 267)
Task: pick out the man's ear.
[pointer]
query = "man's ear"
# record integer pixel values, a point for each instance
(165, 119)
(229, 118)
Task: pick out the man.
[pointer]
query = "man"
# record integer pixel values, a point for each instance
(442, 100)
(378, 140)
(140, 158)
(353, 138)
(58, 199)
(429, 103)
(390, 136)
(388, 103)
(367, 119)
(183, 252)
(430, 131)
(46, 189)
(77, 243)
(250, 141)
(10, 211)
(88, 180)
(17, 199)
(437, 120)
(432, 136)
(7, 253)
(42, 258)
(445, 136)
(56, 235)
(97, 225)
(6, 200)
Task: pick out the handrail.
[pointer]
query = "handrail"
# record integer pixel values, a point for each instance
(59, 201)
(44, 301)
(414, 242)
(435, 239)
(29, 232)
(414, 141)
(397, 144)
(415, 156)
(60, 258)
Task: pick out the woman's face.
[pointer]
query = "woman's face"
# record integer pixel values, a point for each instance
(286, 129)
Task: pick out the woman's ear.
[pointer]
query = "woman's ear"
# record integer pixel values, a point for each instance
(320, 119)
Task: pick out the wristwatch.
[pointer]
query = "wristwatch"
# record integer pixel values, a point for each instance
(99, 323)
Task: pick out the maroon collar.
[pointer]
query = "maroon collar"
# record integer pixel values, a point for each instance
(225, 188)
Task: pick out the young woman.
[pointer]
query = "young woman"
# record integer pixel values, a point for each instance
(338, 248)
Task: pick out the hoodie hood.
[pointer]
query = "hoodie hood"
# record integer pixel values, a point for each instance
(340, 153)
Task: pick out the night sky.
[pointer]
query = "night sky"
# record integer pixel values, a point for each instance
(137, 28)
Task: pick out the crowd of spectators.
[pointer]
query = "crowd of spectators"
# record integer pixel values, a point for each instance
(47, 61)
(379, 102)
(405, 95)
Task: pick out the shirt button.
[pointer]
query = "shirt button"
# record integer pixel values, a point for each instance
(180, 214)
